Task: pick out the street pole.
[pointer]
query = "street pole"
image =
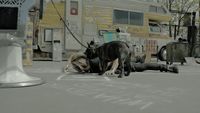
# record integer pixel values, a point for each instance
(65, 18)
(41, 9)
(170, 23)
(199, 22)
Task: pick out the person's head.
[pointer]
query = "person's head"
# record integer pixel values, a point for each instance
(90, 52)
(80, 63)
(118, 30)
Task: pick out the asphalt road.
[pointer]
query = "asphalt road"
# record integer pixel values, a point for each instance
(141, 92)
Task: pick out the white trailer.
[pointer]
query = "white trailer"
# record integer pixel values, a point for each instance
(146, 22)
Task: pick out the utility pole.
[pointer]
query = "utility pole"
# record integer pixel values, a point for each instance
(199, 22)
(41, 9)
(170, 23)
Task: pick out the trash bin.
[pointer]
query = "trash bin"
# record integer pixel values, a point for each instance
(177, 51)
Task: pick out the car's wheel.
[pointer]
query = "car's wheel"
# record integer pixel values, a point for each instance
(196, 51)
(162, 55)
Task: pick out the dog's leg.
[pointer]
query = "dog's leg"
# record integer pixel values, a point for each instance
(121, 66)
(103, 65)
(114, 67)
(128, 66)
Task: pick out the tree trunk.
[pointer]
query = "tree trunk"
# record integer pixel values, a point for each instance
(178, 27)
(170, 22)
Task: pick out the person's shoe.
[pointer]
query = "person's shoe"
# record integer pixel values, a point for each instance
(173, 69)
(163, 68)
(140, 59)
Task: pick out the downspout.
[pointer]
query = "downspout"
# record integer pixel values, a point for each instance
(65, 18)
(41, 8)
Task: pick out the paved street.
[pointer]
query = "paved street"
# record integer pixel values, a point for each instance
(141, 92)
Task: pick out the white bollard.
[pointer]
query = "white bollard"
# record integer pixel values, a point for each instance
(12, 74)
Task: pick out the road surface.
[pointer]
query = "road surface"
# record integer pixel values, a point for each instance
(141, 92)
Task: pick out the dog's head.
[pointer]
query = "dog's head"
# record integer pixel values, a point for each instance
(90, 52)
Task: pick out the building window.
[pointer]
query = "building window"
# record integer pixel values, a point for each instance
(136, 18)
(128, 17)
(153, 9)
(155, 28)
(48, 35)
(161, 10)
(8, 18)
(120, 17)
(156, 9)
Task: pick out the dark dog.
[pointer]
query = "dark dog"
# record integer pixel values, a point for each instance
(110, 51)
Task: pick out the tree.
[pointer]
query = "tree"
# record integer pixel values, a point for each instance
(180, 9)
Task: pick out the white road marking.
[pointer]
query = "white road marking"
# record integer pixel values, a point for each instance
(146, 106)
(82, 77)
(107, 78)
(60, 77)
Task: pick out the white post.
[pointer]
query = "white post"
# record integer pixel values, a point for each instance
(11, 69)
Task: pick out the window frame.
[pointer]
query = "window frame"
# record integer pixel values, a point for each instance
(157, 25)
(47, 32)
(157, 9)
(141, 21)
(129, 17)
(114, 17)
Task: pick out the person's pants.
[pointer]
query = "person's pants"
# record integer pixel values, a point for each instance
(139, 67)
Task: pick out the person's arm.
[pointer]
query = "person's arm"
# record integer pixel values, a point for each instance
(68, 63)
